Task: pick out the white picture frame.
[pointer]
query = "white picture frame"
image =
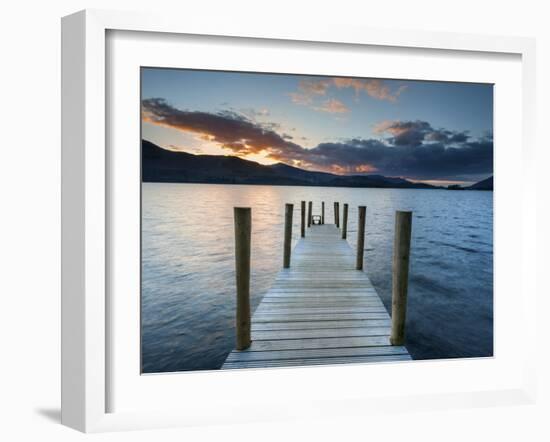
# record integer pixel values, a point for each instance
(86, 316)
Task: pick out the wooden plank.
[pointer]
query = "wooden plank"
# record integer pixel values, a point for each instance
(321, 361)
(289, 301)
(277, 305)
(310, 325)
(270, 310)
(316, 343)
(264, 317)
(328, 284)
(320, 301)
(321, 276)
(321, 291)
(269, 335)
(236, 356)
(312, 298)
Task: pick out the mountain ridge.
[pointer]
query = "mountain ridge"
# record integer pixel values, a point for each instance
(162, 165)
(486, 184)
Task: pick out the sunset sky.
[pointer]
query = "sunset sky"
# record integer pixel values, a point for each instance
(425, 131)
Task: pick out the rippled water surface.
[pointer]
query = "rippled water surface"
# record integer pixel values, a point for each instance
(188, 265)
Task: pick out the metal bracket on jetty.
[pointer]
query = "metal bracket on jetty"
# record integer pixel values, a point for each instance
(322, 308)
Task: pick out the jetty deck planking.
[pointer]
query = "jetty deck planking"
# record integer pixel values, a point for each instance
(320, 311)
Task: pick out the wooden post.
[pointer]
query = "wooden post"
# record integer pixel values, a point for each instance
(303, 232)
(289, 208)
(243, 229)
(310, 208)
(345, 222)
(323, 212)
(361, 237)
(337, 214)
(400, 278)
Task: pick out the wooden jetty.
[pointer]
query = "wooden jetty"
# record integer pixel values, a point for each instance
(319, 311)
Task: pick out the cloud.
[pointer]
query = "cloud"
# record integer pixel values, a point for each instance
(414, 133)
(332, 106)
(375, 88)
(229, 129)
(424, 161)
(407, 148)
(300, 98)
(314, 87)
(307, 90)
(256, 113)
(310, 91)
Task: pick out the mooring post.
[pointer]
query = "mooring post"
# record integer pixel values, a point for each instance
(289, 208)
(323, 212)
(310, 208)
(243, 226)
(400, 277)
(337, 214)
(360, 237)
(345, 222)
(303, 214)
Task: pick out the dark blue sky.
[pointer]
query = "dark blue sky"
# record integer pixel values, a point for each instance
(422, 130)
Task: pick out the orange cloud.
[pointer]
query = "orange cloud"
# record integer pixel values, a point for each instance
(340, 169)
(392, 127)
(315, 87)
(300, 98)
(332, 106)
(309, 91)
(375, 88)
(365, 168)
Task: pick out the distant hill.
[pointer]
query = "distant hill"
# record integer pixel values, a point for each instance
(165, 166)
(486, 184)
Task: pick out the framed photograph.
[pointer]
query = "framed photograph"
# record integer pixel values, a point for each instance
(263, 223)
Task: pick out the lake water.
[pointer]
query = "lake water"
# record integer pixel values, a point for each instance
(188, 288)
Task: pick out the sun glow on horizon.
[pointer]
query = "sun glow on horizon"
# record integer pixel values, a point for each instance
(265, 160)
(443, 183)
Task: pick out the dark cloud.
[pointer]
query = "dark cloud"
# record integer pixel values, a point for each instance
(447, 136)
(412, 149)
(230, 129)
(426, 161)
(459, 137)
(414, 133)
